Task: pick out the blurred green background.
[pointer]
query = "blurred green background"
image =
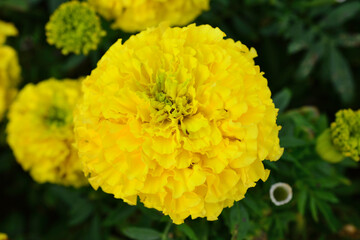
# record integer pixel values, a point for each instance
(309, 51)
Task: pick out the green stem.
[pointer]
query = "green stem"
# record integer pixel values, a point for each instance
(166, 231)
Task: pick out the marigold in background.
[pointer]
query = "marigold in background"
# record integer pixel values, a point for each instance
(9, 68)
(40, 132)
(3, 236)
(345, 133)
(7, 30)
(137, 15)
(180, 118)
(74, 27)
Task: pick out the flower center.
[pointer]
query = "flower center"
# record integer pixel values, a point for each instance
(170, 98)
(56, 117)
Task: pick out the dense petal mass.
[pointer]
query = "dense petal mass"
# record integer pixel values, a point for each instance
(180, 118)
(137, 15)
(40, 132)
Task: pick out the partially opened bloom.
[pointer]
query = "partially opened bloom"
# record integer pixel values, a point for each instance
(40, 132)
(345, 133)
(179, 117)
(9, 68)
(74, 27)
(137, 15)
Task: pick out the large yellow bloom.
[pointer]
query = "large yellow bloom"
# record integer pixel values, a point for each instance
(137, 15)
(179, 117)
(9, 68)
(40, 131)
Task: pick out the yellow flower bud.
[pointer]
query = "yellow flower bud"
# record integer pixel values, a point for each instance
(74, 27)
(345, 133)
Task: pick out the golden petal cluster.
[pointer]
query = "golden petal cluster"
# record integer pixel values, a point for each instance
(179, 117)
(9, 68)
(137, 15)
(41, 131)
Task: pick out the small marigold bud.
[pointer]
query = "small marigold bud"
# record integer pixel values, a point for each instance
(345, 133)
(40, 132)
(74, 27)
(280, 193)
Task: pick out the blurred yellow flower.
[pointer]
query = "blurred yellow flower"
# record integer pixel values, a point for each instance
(6, 30)
(3, 236)
(345, 133)
(179, 117)
(9, 68)
(40, 131)
(74, 27)
(137, 15)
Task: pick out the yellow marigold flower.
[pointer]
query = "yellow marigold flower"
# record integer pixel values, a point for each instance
(179, 117)
(40, 131)
(3, 236)
(7, 29)
(345, 133)
(9, 77)
(74, 27)
(137, 15)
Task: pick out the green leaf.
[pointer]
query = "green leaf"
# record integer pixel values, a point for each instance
(309, 61)
(349, 40)
(138, 233)
(239, 221)
(290, 141)
(313, 209)
(80, 211)
(302, 201)
(95, 229)
(72, 62)
(282, 99)
(326, 196)
(21, 5)
(118, 215)
(341, 75)
(341, 14)
(326, 211)
(187, 231)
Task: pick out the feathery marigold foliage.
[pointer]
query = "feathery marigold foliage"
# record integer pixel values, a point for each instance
(9, 68)
(180, 118)
(137, 15)
(74, 27)
(40, 131)
(345, 133)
